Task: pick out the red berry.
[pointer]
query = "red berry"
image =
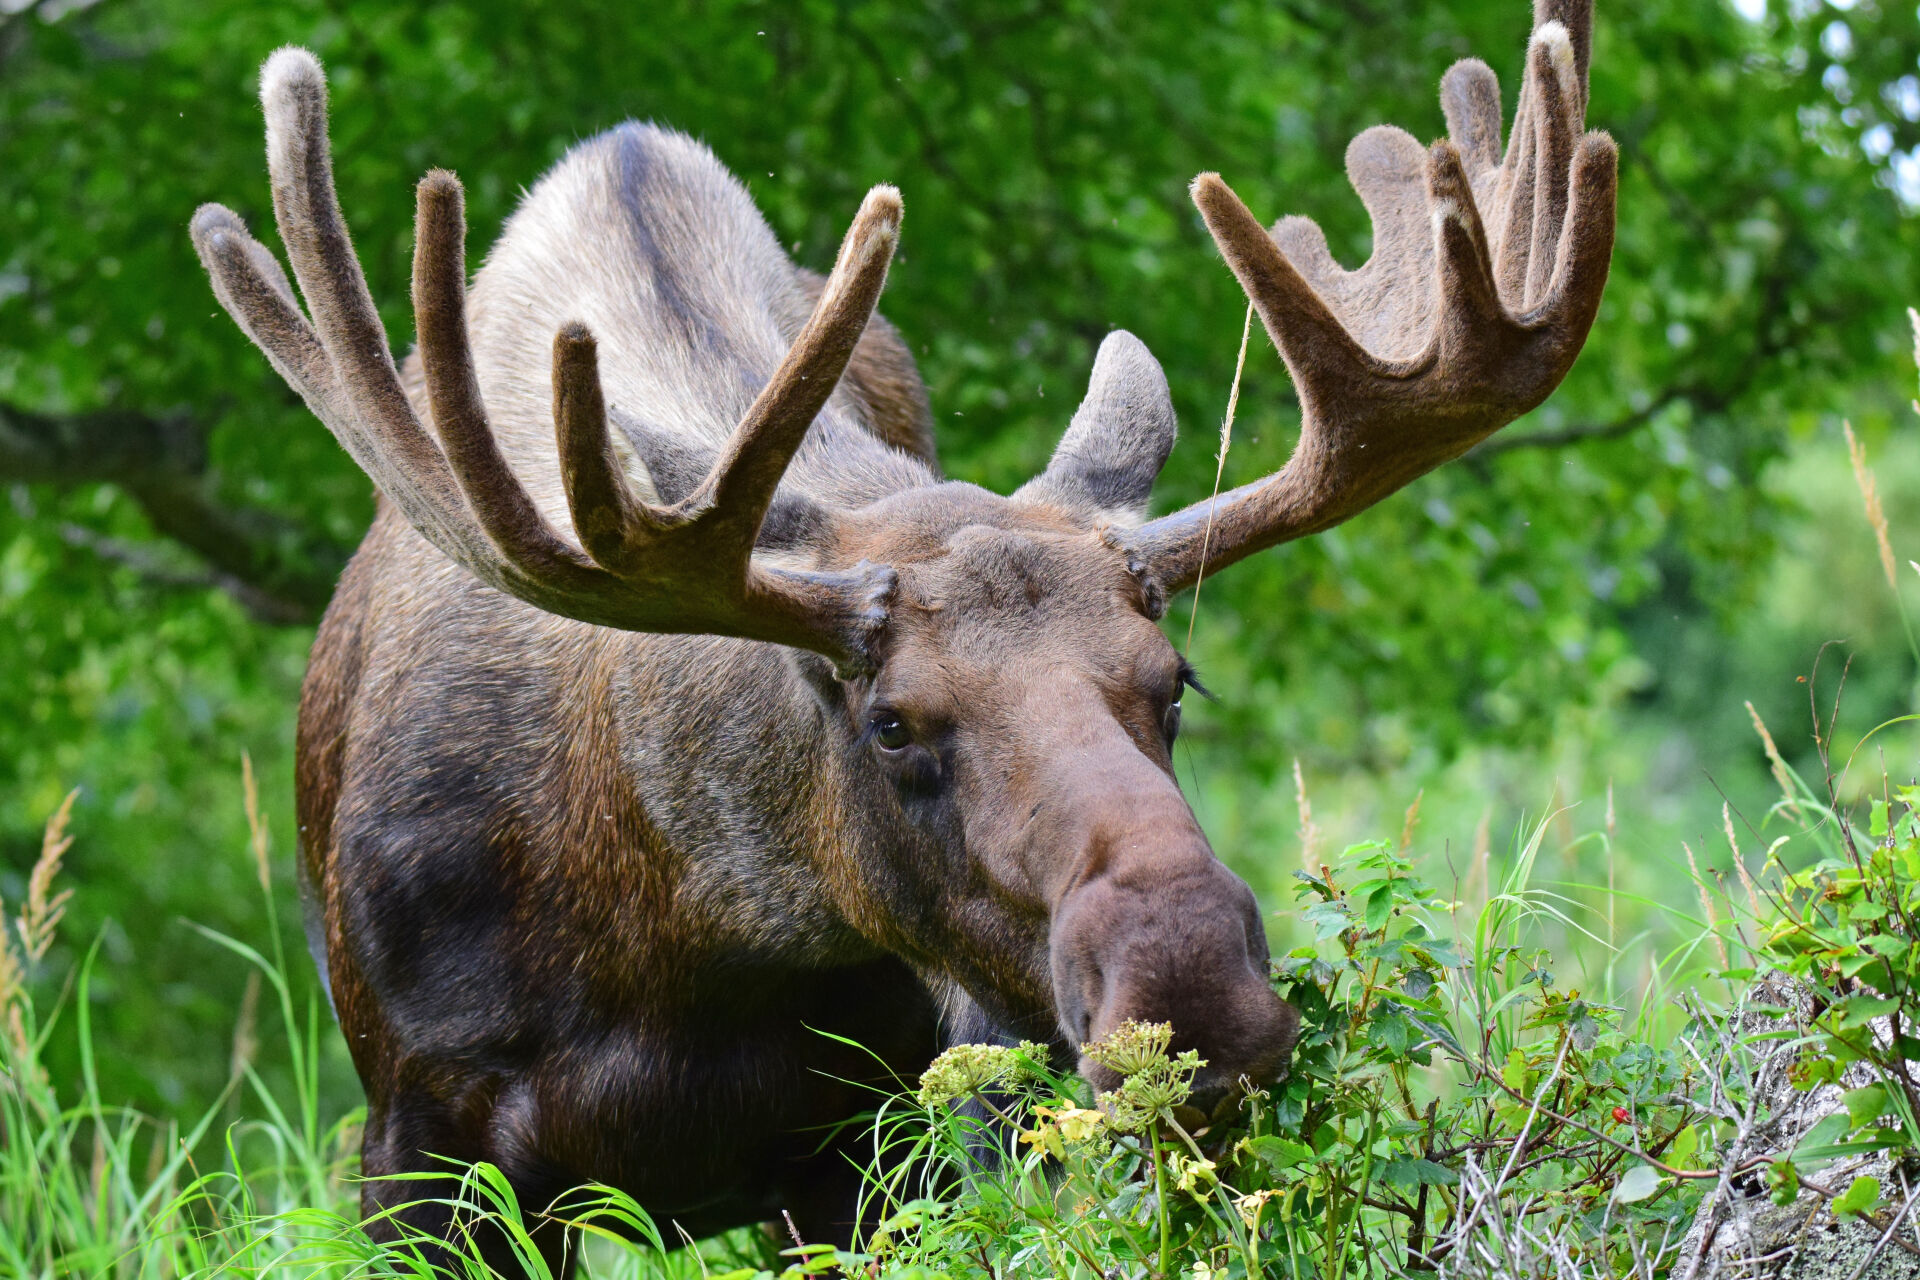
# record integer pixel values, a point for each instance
(1620, 1115)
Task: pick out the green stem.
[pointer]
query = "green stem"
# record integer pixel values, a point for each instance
(1160, 1196)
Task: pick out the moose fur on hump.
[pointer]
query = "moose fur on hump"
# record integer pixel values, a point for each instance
(642, 234)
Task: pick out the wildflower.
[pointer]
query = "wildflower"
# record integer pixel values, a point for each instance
(1045, 1136)
(1067, 1126)
(1250, 1204)
(963, 1070)
(1078, 1124)
(1132, 1047)
(1193, 1176)
(1153, 1093)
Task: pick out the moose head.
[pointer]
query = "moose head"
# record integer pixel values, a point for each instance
(987, 703)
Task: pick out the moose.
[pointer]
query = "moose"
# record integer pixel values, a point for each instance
(678, 728)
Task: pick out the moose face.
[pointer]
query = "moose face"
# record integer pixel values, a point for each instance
(1023, 713)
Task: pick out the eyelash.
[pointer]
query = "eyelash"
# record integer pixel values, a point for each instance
(1190, 679)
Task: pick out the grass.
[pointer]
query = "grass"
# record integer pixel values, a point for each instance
(1461, 1101)
(1452, 1093)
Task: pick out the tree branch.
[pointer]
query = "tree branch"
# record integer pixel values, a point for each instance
(280, 571)
(1560, 436)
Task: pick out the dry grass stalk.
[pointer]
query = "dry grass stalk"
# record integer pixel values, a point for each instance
(1870, 497)
(26, 1062)
(1309, 831)
(246, 1036)
(1740, 863)
(1220, 470)
(1775, 763)
(1413, 820)
(41, 915)
(256, 825)
(1913, 318)
(12, 975)
(1706, 905)
(1482, 848)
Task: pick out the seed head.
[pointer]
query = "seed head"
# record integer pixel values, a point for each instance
(1132, 1047)
(964, 1070)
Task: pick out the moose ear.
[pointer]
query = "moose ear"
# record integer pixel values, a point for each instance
(1118, 439)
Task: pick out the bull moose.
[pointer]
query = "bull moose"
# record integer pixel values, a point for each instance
(675, 710)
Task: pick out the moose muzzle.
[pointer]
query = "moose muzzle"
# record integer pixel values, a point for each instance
(1171, 936)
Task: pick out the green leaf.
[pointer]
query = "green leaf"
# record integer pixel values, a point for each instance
(1861, 1196)
(1379, 908)
(1685, 1143)
(1327, 919)
(1864, 1106)
(1279, 1154)
(1827, 1141)
(1408, 1173)
(1514, 1073)
(1638, 1183)
(1857, 1011)
(1825, 1133)
(1389, 1029)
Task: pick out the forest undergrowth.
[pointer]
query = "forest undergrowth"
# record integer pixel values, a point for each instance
(1489, 1082)
(1459, 1100)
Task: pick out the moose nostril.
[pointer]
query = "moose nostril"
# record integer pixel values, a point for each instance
(1207, 1100)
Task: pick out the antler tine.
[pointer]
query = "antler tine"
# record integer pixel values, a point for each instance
(1586, 245)
(1551, 93)
(1576, 16)
(613, 524)
(493, 493)
(249, 283)
(1492, 313)
(716, 525)
(744, 477)
(1298, 320)
(402, 459)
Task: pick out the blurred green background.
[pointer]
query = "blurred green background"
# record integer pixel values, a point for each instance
(1586, 601)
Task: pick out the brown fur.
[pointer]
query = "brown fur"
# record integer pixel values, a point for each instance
(675, 712)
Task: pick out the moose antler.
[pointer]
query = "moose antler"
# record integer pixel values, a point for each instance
(687, 567)
(1485, 277)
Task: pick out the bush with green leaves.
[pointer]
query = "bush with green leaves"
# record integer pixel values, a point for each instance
(1426, 1051)
(1451, 1098)
(1841, 932)
(1448, 1091)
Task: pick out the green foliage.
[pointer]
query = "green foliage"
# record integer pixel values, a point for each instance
(1427, 1062)
(1843, 928)
(1447, 1079)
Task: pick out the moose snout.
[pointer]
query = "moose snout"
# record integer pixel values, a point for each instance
(1176, 941)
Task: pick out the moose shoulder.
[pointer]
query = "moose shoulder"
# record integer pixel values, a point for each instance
(675, 711)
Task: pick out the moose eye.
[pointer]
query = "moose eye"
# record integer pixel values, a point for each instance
(1171, 723)
(891, 732)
